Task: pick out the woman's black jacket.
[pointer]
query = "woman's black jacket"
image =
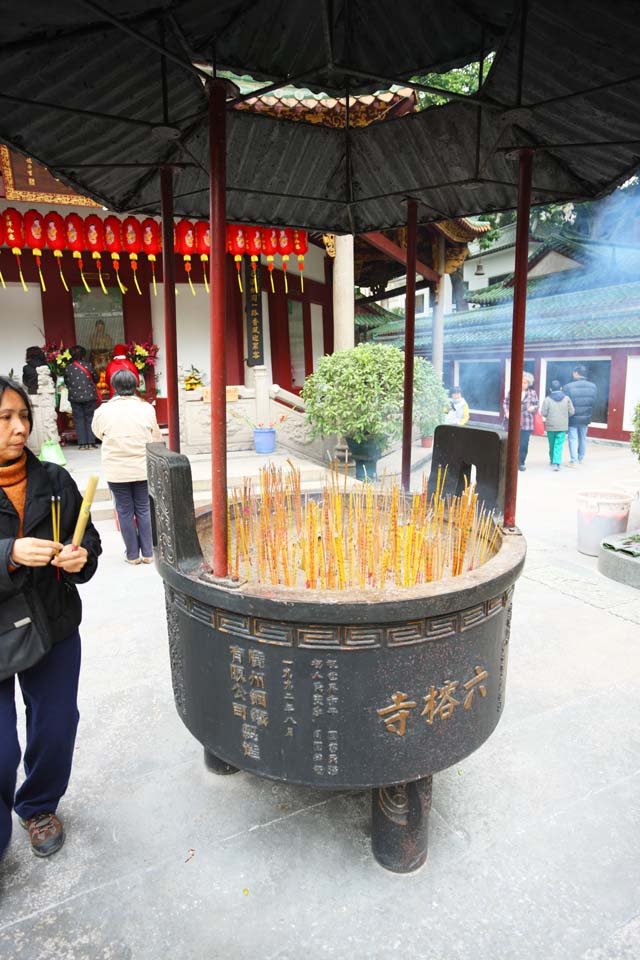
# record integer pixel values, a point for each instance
(59, 599)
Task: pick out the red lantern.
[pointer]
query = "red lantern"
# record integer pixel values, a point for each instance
(132, 243)
(270, 248)
(203, 247)
(74, 230)
(300, 247)
(254, 249)
(113, 245)
(151, 246)
(185, 243)
(4, 286)
(56, 234)
(285, 249)
(12, 222)
(94, 237)
(236, 245)
(34, 235)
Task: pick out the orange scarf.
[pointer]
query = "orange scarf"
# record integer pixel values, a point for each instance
(13, 480)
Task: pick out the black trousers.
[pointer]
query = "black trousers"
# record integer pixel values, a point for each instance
(524, 446)
(83, 411)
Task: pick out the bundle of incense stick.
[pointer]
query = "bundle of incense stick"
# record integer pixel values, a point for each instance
(85, 511)
(366, 537)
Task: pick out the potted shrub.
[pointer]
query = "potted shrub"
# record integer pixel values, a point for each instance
(359, 394)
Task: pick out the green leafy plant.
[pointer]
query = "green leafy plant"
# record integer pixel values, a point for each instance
(358, 393)
(635, 434)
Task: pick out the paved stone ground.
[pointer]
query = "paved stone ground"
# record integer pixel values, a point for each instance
(535, 838)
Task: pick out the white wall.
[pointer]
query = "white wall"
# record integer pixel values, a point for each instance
(192, 322)
(21, 325)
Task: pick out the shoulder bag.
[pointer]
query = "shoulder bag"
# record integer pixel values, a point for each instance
(24, 637)
(538, 425)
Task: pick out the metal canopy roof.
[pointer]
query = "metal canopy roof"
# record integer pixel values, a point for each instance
(566, 80)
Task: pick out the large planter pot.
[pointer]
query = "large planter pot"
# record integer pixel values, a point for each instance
(264, 439)
(366, 455)
(343, 690)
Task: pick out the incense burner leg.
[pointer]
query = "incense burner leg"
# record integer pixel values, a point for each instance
(216, 765)
(400, 825)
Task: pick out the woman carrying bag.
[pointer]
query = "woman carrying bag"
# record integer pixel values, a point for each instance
(40, 612)
(81, 379)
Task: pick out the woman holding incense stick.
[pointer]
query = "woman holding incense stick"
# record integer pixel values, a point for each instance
(126, 424)
(40, 613)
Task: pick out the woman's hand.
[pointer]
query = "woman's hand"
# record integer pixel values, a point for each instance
(71, 559)
(32, 552)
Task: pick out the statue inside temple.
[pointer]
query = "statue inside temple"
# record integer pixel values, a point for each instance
(100, 347)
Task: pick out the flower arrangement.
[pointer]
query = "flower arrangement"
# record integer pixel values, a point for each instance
(143, 355)
(260, 426)
(193, 379)
(57, 356)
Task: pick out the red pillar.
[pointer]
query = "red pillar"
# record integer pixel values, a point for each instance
(517, 333)
(217, 215)
(409, 341)
(169, 282)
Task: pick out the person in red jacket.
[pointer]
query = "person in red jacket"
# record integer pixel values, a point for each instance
(119, 362)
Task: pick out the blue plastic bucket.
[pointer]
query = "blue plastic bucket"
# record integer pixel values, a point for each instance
(264, 439)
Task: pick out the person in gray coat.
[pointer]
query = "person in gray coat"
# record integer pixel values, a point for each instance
(556, 410)
(582, 393)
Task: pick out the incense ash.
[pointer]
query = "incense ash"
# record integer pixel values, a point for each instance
(368, 536)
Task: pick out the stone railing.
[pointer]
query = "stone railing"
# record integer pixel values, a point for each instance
(265, 404)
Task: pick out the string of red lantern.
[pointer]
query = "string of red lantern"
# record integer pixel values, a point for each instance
(97, 236)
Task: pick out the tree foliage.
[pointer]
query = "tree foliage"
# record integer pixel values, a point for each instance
(464, 80)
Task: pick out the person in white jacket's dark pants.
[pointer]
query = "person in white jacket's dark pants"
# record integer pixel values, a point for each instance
(126, 424)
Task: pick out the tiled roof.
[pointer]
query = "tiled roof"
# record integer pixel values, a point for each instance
(599, 263)
(370, 316)
(594, 314)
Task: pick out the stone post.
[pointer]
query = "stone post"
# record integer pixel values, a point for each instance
(437, 350)
(343, 295)
(263, 400)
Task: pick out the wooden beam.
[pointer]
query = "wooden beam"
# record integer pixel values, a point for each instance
(394, 252)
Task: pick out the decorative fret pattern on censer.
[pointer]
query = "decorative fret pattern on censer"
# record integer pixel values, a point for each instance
(347, 637)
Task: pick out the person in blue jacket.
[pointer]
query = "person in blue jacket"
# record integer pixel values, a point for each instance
(583, 394)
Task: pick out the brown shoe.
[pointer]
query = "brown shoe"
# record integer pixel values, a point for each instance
(45, 832)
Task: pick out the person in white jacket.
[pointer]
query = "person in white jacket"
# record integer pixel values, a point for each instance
(126, 424)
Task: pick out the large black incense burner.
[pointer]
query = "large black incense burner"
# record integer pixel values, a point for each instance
(339, 690)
